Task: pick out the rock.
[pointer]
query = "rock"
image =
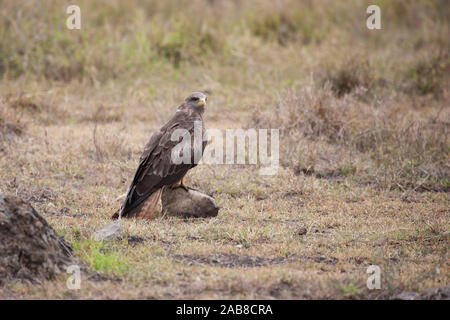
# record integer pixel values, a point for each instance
(112, 231)
(188, 204)
(30, 249)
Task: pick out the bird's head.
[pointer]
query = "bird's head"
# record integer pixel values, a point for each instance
(196, 101)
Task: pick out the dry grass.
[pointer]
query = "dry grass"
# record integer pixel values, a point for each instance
(364, 123)
(10, 124)
(391, 145)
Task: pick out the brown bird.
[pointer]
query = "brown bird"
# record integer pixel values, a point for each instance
(157, 168)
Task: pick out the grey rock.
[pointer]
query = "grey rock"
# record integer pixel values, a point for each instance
(188, 204)
(112, 231)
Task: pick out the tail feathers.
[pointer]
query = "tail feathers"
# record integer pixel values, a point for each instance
(144, 209)
(147, 208)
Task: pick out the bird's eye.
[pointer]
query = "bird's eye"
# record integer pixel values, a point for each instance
(195, 99)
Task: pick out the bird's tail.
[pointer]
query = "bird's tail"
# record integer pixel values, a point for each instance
(148, 207)
(144, 210)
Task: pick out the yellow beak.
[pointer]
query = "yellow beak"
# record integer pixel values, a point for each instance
(201, 102)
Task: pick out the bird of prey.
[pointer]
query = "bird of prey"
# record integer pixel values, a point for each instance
(156, 167)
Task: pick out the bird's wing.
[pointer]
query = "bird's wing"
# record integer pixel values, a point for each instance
(156, 168)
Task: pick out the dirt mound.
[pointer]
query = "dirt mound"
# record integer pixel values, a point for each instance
(30, 249)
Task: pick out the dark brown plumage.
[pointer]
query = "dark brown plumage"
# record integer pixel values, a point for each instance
(156, 168)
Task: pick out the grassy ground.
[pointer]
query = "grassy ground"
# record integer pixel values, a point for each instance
(364, 123)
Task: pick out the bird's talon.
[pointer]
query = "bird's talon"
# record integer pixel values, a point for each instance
(185, 187)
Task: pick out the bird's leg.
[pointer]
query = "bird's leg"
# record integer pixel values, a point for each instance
(180, 184)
